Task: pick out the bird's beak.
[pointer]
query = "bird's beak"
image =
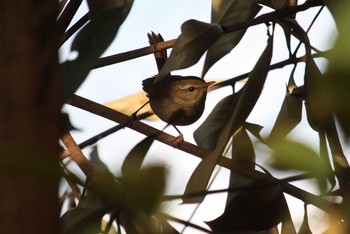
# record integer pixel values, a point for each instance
(210, 83)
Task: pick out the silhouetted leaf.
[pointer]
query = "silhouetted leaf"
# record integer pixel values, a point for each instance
(206, 135)
(290, 114)
(86, 217)
(239, 113)
(315, 101)
(227, 13)
(242, 154)
(90, 43)
(196, 37)
(134, 159)
(291, 26)
(259, 208)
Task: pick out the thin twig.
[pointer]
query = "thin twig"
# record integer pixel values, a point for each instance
(67, 15)
(187, 223)
(83, 20)
(132, 54)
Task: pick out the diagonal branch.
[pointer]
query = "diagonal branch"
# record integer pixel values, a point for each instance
(140, 127)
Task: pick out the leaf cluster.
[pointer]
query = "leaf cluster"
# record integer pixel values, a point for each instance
(255, 202)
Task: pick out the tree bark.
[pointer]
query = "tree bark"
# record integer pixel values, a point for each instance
(30, 104)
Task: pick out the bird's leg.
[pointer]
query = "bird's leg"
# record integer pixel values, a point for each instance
(180, 138)
(133, 116)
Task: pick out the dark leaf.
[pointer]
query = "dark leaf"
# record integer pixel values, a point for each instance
(144, 188)
(242, 154)
(259, 208)
(227, 13)
(206, 135)
(315, 100)
(290, 114)
(90, 43)
(134, 159)
(86, 217)
(238, 115)
(292, 27)
(325, 157)
(196, 37)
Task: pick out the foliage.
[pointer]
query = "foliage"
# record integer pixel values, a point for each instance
(256, 199)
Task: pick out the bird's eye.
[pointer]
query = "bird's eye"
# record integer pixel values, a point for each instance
(191, 89)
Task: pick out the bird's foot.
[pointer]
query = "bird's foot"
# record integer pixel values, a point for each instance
(130, 120)
(178, 140)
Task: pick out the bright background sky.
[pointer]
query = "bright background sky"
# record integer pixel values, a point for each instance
(120, 80)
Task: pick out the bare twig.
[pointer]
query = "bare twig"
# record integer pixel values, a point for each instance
(117, 58)
(67, 15)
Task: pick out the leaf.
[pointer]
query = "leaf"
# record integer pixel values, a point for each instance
(246, 101)
(90, 43)
(227, 13)
(291, 155)
(257, 209)
(144, 189)
(337, 80)
(315, 100)
(290, 114)
(196, 37)
(86, 217)
(134, 159)
(242, 154)
(206, 135)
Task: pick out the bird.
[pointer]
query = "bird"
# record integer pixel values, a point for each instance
(177, 100)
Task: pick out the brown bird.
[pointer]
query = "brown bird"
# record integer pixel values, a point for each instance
(177, 100)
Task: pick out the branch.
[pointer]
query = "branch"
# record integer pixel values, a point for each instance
(140, 127)
(132, 54)
(67, 15)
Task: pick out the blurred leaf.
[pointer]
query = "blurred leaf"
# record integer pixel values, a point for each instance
(259, 208)
(134, 159)
(238, 115)
(90, 43)
(86, 217)
(291, 155)
(337, 80)
(290, 114)
(144, 188)
(227, 13)
(99, 166)
(196, 37)
(206, 135)
(130, 104)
